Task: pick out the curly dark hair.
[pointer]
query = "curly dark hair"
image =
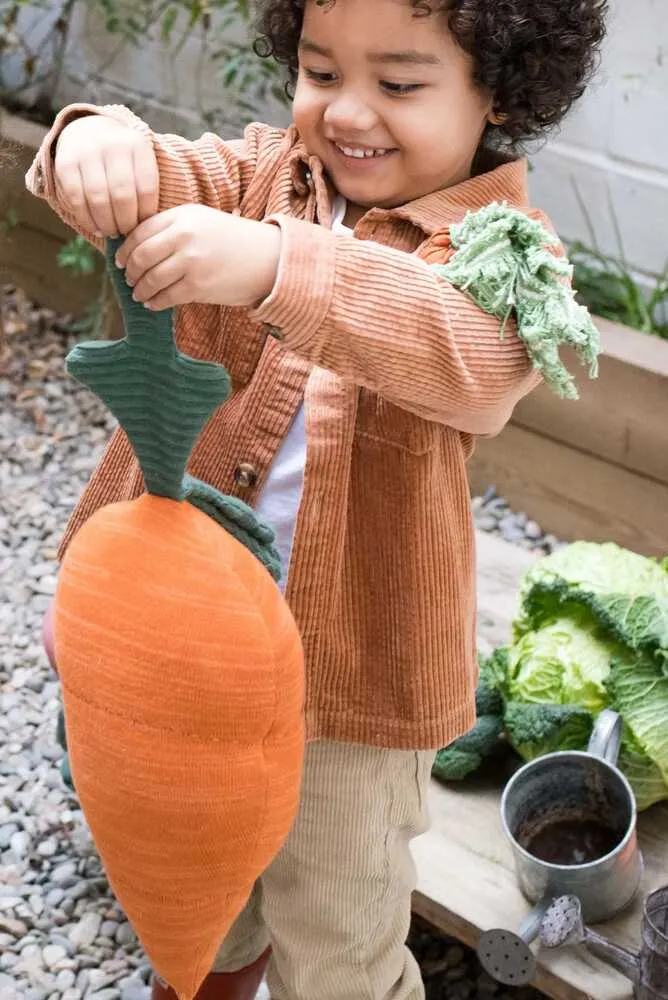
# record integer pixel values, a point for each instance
(535, 56)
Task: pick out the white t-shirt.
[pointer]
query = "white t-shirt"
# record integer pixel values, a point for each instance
(278, 503)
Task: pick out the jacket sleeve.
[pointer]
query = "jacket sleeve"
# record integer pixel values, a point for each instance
(207, 171)
(382, 318)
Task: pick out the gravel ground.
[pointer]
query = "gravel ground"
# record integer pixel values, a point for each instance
(62, 936)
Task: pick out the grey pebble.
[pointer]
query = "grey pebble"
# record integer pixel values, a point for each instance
(65, 979)
(47, 848)
(86, 930)
(52, 954)
(82, 980)
(125, 934)
(65, 943)
(108, 929)
(7, 831)
(487, 523)
(135, 990)
(55, 897)
(65, 874)
(78, 891)
(19, 843)
(9, 925)
(99, 980)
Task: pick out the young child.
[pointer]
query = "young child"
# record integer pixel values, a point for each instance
(299, 259)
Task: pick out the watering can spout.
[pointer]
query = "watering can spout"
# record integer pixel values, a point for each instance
(622, 959)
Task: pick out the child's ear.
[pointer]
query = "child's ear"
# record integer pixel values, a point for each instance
(497, 118)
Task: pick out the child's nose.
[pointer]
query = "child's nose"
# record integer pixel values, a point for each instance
(346, 113)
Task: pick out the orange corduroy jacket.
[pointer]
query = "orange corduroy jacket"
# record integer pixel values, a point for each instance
(399, 373)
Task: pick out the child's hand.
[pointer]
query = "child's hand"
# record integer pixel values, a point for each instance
(106, 174)
(193, 253)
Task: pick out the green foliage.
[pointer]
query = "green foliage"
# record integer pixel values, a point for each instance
(78, 256)
(10, 222)
(536, 729)
(608, 289)
(468, 753)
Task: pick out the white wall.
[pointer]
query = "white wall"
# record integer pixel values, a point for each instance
(614, 147)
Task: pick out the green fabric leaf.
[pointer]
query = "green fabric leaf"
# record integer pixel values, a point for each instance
(503, 260)
(161, 398)
(238, 519)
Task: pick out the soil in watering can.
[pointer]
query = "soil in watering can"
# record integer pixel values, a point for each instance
(572, 841)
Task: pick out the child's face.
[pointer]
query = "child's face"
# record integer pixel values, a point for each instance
(372, 76)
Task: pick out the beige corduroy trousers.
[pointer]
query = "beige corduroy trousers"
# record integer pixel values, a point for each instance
(335, 904)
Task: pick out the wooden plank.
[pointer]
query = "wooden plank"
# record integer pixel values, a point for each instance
(23, 139)
(28, 255)
(571, 493)
(20, 131)
(465, 875)
(622, 415)
(30, 259)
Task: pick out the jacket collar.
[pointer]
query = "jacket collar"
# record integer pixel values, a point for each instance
(499, 178)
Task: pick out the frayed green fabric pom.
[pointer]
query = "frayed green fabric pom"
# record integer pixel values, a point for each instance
(504, 262)
(238, 519)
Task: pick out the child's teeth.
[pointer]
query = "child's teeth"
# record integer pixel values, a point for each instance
(361, 154)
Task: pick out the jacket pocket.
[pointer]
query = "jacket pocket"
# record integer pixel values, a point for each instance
(382, 421)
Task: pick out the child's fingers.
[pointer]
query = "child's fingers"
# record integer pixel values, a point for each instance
(140, 254)
(98, 200)
(120, 183)
(69, 186)
(158, 279)
(147, 181)
(175, 295)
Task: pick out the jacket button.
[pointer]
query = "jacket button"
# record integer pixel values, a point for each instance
(273, 331)
(245, 475)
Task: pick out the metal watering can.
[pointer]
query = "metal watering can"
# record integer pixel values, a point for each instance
(570, 818)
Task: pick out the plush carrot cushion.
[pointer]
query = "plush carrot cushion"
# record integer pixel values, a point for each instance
(182, 674)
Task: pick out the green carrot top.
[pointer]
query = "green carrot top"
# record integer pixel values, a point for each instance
(162, 399)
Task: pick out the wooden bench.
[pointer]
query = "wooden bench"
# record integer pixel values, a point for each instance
(465, 875)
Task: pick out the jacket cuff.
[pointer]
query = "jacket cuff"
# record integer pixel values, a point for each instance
(295, 310)
(40, 178)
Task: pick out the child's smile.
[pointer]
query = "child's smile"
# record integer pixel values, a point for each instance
(387, 100)
(362, 157)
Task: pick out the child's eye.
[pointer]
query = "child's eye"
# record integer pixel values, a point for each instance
(400, 88)
(322, 78)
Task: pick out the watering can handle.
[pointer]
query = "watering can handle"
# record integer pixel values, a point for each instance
(606, 738)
